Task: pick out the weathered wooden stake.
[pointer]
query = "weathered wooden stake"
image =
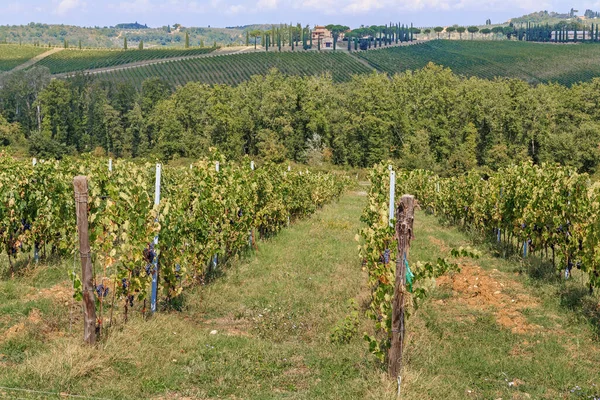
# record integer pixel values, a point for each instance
(405, 215)
(89, 306)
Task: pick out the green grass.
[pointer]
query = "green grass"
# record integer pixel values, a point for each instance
(273, 312)
(236, 68)
(73, 60)
(12, 55)
(532, 62)
(459, 350)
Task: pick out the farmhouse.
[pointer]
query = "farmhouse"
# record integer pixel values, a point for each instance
(324, 35)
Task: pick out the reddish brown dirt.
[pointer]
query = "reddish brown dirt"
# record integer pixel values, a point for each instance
(61, 293)
(481, 290)
(33, 319)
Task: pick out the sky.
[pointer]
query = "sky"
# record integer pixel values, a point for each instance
(222, 13)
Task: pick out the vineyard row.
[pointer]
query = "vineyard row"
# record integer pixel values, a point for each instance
(207, 213)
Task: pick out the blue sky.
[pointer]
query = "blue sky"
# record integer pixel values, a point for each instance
(219, 13)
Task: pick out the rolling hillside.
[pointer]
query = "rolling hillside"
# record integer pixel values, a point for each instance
(236, 68)
(532, 62)
(12, 55)
(79, 60)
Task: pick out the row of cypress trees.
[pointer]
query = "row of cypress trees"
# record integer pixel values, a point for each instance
(299, 37)
(559, 34)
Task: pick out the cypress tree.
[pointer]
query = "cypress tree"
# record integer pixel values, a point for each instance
(355, 43)
(187, 40)
(247, 38)
(310, 36)
(65, 44)
(141, 45)
(201, 42)
(79, 44)
(411, 32)
(125, 43)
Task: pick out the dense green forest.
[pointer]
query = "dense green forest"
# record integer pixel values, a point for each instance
(430, 118)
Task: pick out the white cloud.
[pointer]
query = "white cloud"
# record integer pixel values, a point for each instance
(236, 9)
(357, 7)
(133, 7)
(267, 4)
(67, 5)
(15, 8)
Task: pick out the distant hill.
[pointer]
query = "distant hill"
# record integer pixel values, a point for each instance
(543, 17)
(133, 25)
(112, 37)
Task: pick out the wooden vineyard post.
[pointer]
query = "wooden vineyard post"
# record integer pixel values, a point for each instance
(89, 305)
(405, 214)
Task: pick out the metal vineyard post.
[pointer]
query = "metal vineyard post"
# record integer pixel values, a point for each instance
(155, 260)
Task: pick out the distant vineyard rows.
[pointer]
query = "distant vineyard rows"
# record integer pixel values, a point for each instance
(233, 69)
(532, 62)
(80, 60)
(12, 55)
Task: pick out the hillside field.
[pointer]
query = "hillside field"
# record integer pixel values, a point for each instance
(12, 55)
(532, 62)
(236, 68)
(71, 60)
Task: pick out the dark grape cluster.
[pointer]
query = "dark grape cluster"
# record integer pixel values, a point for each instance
(101, 290)
(26, 225)
(385, 257)
(149, 253)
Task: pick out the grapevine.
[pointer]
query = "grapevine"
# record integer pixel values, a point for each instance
(203, 213)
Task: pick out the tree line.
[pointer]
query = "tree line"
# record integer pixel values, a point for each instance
(430, 118)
